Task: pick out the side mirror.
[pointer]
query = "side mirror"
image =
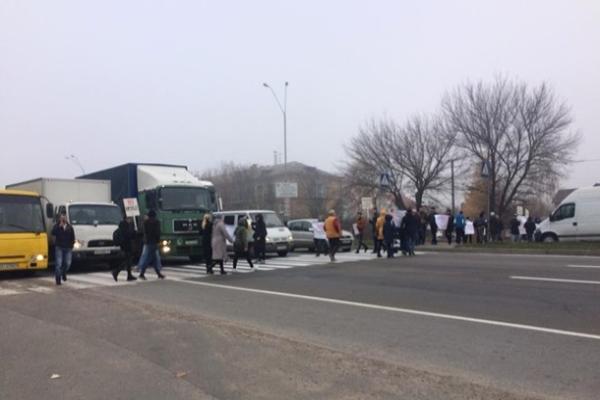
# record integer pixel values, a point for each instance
(49, 210)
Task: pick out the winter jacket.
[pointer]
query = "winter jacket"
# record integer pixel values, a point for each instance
(127, 236)
(64, 236)
(151, 231)
(379, 226)
(432, 222)
(388, 229)
(459, 221)
(530, 227)
(361, 223)
(333, 228)
(260, 231)
(219, 241)
(410, 225)
(514, 226)
(240, 239)
(206, 234)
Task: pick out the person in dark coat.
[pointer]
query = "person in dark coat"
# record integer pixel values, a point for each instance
(433, 226)
(260, 238)
(530, 228)
(410, 227)
(480, 225)
(150, 251)
(206, 228)
(389, 232)
(373, 222)
(450, 226)
(64, 240)
(126, 236)
(515, 232)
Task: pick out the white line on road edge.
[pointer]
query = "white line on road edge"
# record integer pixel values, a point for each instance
(402, 310)
(582, 266)
(544, 279)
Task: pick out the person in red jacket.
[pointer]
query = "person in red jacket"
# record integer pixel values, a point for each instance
(361, 224)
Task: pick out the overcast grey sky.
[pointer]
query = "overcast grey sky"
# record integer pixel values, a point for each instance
(181, 81)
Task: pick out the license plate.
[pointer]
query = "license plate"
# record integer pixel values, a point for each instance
(281, 247)
(191, 242)
(101, 252)
(8, 266)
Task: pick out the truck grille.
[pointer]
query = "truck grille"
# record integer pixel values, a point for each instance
(185, 225)
(100, 243)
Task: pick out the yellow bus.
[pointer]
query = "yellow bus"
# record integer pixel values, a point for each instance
(23, 237)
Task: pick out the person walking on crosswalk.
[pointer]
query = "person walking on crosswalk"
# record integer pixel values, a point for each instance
(319, 237)
(123, 237)
(150, 252)
(64, 240)
(260, 238)
(333, 230)
(220, 236)
(240, 243)
(379, 230)
(206, 228)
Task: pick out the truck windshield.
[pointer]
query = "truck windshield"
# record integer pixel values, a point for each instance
(271, 220)
(91, 214)
(185, 198)
(20, 214)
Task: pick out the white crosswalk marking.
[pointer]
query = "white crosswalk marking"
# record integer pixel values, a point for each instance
(79, 281)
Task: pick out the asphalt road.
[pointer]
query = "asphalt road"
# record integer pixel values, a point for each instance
(436, 326)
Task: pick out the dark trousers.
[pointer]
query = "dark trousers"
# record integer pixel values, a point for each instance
(434, 236)
(378, 246)
(244, 255)
(334, 245)
(260, 249)
(460, 235)
(219, 263)
(125, 264)
(449, 235)
(321, 246)
(361, 243)
(389, 245)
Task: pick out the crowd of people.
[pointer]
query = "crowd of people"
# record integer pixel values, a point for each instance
(390, 233)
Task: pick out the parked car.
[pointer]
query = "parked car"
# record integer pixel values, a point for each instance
(279, 238)
(302, 235)
(576, 218)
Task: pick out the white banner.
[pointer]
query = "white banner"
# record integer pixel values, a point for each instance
(469, 228)
(441, 221)
(132, 208)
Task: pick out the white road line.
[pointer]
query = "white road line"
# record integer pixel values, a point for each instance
(582, 266)
(404, 311)
(544, 279)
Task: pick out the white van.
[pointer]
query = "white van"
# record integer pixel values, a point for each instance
(279, 237)
(576, 218)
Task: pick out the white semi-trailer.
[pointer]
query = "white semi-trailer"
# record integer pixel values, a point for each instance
(88, 207)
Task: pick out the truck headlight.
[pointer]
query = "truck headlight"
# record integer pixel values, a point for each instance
(166, 242)
(290, 238)
(166, 249)
(78, 244)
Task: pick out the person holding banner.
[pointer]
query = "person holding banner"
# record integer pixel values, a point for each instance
(449, 226)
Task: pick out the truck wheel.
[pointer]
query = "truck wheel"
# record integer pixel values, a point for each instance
(549, 238)
(282, 253)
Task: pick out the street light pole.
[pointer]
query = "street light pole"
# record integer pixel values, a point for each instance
(283, 108)
(75, 159)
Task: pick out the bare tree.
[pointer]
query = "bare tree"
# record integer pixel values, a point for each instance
(424, 152)
(416, 154)
(521, 131)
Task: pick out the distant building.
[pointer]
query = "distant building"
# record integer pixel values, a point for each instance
(253, 187)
